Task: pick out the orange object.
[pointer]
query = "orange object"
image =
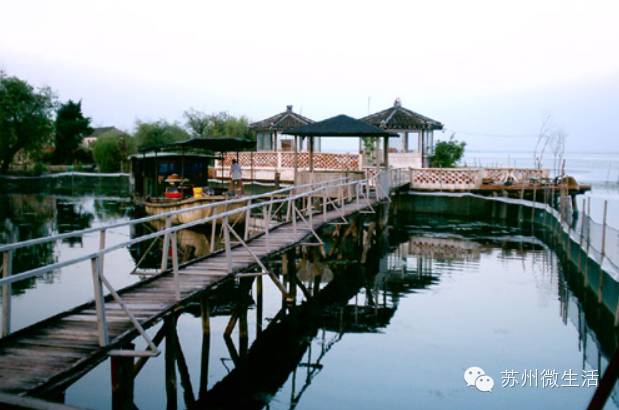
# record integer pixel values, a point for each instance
(173, 195)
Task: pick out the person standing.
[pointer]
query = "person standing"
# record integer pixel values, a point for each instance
(236, 176)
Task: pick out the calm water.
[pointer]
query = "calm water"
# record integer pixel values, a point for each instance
(397, 320)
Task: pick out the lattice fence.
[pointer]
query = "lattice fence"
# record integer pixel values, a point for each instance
(445, 178)
(269, 159)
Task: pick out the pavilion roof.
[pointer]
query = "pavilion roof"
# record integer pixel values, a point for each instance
(281, 121)
(400, 118)
(210, 144)
(339, 126)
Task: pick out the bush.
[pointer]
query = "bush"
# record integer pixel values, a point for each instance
(84, 155)
(154, 134)
(111, 151)
(39, 168)
(447, 153)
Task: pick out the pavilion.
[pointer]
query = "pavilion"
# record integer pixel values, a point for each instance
(415, 144)
(338, 126)
(269, 136)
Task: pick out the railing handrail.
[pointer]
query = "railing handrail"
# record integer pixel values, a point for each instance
(58, 265)
(38, 241)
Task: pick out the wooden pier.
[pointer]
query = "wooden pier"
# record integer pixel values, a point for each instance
(47, 356)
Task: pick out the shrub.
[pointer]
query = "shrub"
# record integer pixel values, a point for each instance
(447, 153)
(111, 151)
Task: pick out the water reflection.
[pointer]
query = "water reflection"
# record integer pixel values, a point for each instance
(275, 356)
(242, 346)
(29, 216)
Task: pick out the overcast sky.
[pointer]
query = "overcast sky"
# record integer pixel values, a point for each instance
(489, 70)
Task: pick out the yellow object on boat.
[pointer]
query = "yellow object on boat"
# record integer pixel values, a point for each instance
(197, 192)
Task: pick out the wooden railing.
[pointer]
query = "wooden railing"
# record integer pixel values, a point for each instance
(297, 205)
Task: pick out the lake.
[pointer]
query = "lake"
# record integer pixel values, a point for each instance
(395, 324)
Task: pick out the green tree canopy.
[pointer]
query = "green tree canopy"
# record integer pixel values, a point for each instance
(70, 126)
(217, 124)
(152, 134)
(25, 118)
(111, 151)
(447, 153)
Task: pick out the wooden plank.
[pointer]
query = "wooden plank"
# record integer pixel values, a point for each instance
(32, 403)
(55, 346)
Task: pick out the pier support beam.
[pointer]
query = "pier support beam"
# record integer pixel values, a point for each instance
(122, 381)
(206, 346)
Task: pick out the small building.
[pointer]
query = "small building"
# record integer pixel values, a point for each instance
(96, 132)
(150, 169)
(415, 144)
(269, 135)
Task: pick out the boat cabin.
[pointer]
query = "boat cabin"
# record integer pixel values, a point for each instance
(151, 172)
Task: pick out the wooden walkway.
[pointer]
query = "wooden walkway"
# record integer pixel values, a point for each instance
(51, 354)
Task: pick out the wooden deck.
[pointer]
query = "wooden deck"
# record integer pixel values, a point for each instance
(50, 354)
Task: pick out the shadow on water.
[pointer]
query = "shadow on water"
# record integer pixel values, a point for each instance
(30, 216)
(371, 266)
(355, 289)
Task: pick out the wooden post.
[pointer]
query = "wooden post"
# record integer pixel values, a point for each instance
(251, 171)
(604, 216)
(324, 203)
(166, 245)
(386, 152)
(7, 268)
(310, 148)
(583, 221)
(97, 272)
(213, 234)
(99, 302)
(170, 363)
(101, 246)
(247, 217)
(243, 329)
(296, 159)
(122, 380)
(267, 222)
(259, 303)
(175, 265)
(422, 149)
(294, 216)
(206, 346)
(227, 246)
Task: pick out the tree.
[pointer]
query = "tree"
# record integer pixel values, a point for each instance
(25, 118)
(447, 153)
(111, 151)
(70, 126)
(152, 134)
(218, 124)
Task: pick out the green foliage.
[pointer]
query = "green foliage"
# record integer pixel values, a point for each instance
(447, 153)
(25, 119)
(217, 124)
(70, 126)
(83, 155)
(39, 168)
(369, 146)
(152, 134)
(111, 150)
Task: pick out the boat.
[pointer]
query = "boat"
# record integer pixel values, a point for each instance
(156, 206)
(164, 181)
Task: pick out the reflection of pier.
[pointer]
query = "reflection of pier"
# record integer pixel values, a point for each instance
(288, 351)
(69, 344)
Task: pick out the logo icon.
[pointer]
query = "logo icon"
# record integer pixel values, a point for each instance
(477, 377)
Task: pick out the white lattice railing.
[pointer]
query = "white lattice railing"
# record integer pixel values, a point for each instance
(286, 159)
(470, 178)
(445, 178)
